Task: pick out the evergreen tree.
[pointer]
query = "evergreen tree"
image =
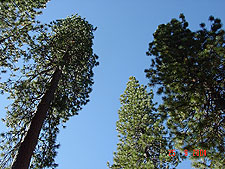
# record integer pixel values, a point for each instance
(189, 69)
(142, 136)
(52, 85)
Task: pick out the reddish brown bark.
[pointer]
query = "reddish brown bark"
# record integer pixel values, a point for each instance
(23, 157)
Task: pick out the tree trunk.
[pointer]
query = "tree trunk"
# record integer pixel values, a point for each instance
(24, 154)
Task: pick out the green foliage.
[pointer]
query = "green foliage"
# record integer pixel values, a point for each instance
(68, 47)
(143, 142)
(17, 20)
(189, 69)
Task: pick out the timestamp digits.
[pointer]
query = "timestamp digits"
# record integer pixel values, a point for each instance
(196, 152)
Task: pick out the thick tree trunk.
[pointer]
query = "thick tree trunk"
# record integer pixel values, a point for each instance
(23, 157)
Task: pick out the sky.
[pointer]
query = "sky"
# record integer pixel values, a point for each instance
(124, 29)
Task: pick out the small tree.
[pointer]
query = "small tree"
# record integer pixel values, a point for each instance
(188, 67)
(143, 142)
(53, 85)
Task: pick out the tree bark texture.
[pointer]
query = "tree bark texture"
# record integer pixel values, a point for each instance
(24, 154)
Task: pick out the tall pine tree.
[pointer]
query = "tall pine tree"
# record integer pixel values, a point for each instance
(143, 141)
(52, 85)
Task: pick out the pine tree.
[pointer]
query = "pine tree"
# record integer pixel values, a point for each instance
(188, 68)
(52, 85)
(142, 136)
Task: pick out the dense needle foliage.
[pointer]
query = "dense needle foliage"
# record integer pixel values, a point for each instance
(143, 141)
(17, 20)
(189, 69)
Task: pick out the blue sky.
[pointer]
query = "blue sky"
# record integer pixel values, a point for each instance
(124, 30)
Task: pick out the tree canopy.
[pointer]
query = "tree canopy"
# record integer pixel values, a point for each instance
(189, 70)
(56, 76)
